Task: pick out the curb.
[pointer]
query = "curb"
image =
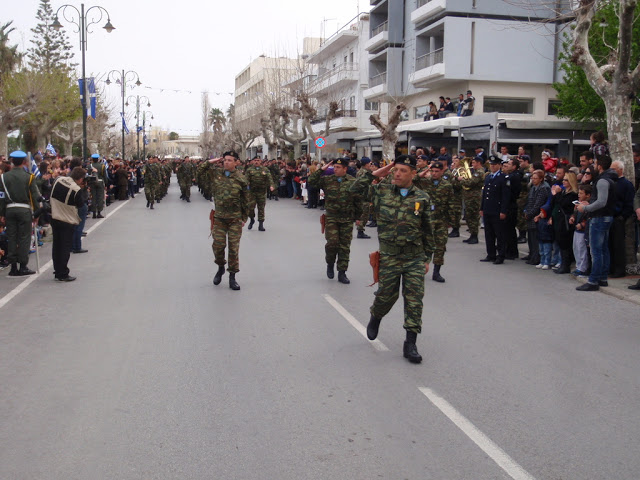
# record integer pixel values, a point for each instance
(616, 292)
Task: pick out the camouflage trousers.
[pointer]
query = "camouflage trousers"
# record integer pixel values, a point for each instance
(97, 196)
(259, 199)
(521, 222)
(364, 218)
(150, 191)
(440, 237)
(456, 209)
(338, 235)
(227, 229)
(394, 268)
(185, 188)
(472, 211)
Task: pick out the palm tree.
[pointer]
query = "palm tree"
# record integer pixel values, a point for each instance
(217, 119)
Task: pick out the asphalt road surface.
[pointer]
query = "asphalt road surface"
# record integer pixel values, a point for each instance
(142, 369)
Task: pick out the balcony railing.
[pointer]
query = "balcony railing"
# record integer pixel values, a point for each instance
(338, 70)
(430, 59)
(422, 3)
(339, 114)
(378, 80)
(383, 27)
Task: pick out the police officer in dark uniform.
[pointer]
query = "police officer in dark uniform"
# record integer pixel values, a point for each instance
(494, 209)
(513, 181)
(18, 197)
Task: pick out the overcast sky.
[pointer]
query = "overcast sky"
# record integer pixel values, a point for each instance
(188, 45)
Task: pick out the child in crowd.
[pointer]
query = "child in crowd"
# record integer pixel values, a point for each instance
(545, 239)
(305, 193)
(579, 219)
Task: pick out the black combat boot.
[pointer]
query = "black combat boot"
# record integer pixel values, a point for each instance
(473, 239)
(361, 234)
(455, 233)
(188, 199)
(148, 204)
(151, 207)
(330, 273)
(410, 349)
(95, 214)
(233, 285)
(372, 224)
(261, 226)
(436, 274)
(14, 270)
(277, 199)
(24, 270)
(251, 222)
(218, 276)
(372, 328)
(99, 215)
(342, 278)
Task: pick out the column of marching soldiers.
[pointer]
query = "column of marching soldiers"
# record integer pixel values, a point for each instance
(413, 201)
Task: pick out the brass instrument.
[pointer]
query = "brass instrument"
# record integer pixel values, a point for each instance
(463, 171)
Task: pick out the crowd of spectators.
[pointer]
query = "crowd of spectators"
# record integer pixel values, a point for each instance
(462, 108)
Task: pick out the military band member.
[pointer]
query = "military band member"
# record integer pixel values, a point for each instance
(231, 197)
(342, 207)
(406, 242)
(260, 181)
(472, 196)
(456, 214)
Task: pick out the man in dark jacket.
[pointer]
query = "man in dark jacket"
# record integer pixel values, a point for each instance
(513, 181)
(494, 209)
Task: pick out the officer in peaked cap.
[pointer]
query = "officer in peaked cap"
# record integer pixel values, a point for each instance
(18, 199)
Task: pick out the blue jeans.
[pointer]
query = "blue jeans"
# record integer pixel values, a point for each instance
(599, 243)
(545, 252)
(76, 242)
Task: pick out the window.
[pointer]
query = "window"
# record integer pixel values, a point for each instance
(552, 108)
(351, 57)
(508, 105)
(352, 103)
(420, 112)
(371, 105)
(345, 59)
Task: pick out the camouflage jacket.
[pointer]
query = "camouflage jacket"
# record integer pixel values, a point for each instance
(474, 183)
(404, 222)
(341, 202)
(230, 193)
(186, 172)
(259, 179)
(441, 195)
(152, 174)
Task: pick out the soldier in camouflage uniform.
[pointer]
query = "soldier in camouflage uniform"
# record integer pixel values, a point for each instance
(231, 196)
(472, 196)
(202, 179)
(260, 181)
(366, 166)
(186, 172)
(274, 169)
(342, 207)
(440, 192)
(456, 205)
(406, 241)
(97, 188)
(166, 170)
(152, 179)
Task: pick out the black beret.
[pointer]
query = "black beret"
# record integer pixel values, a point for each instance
(437, 165)
(231, 153)
(493, 160)
(408, 160)
(342, 161)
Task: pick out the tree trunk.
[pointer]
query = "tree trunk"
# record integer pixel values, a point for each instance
(389, 140)
(4, 140)
(272, 150)
(619, 131)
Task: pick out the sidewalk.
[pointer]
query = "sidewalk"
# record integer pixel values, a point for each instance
(618, 288)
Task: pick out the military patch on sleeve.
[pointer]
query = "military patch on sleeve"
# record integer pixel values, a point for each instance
(1, 194)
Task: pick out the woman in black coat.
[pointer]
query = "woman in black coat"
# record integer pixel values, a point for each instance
(562, 208)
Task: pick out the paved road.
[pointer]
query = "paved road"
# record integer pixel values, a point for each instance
(142, 369)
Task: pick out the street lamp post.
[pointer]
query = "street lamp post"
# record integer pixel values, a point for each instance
(144, 132)
(138, 98)
(83, 23)
(123, 77)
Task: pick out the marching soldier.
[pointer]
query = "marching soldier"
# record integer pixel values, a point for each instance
(440, 192)
(472, 196)
(231, 197)
(342, 207)
(97, 187)
(185, 172)
(406, 245)
(18, 197)
(366, 166)
(260, 181)
(152, 181)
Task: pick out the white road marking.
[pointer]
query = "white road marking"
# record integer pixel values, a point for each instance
(31, 278)
(498, 455)
(377, 344)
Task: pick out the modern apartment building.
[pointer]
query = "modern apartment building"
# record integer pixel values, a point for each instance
(502, 51)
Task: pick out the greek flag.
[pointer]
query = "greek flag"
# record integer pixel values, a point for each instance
(34, 169)
(91, 86)
(124, 124)
(145, 140)
(51, 150)
(139, 129)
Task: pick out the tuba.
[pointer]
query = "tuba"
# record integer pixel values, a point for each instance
(464, 171)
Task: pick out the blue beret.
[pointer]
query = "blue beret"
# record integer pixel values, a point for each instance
(18, 154)
(365, 160)
(95, 155)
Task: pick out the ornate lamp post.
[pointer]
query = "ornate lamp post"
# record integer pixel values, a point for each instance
(137, 98)
(122, 77)
(83, 21)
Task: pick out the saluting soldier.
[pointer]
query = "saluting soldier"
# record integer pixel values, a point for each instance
(260, 181)
(231, 197)
(472, 196)
(405, 235)
(342, 207)
(18, 199)
(97, 188)
(366, 165)
(440, 193)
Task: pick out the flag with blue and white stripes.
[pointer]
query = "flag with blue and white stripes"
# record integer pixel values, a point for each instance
(124, 124)
(34, 169)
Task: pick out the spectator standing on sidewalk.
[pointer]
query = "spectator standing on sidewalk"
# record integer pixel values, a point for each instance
(83, 210)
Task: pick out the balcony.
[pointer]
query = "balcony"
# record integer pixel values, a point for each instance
(428, 68)
(337, 77)
(377, 87)
(426, 9)
(379, 37)
(344, 120)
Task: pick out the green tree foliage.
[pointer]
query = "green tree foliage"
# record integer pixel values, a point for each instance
(51, 50)
(579, 102)
(217, 119)
(173, 136)
(9, 56)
